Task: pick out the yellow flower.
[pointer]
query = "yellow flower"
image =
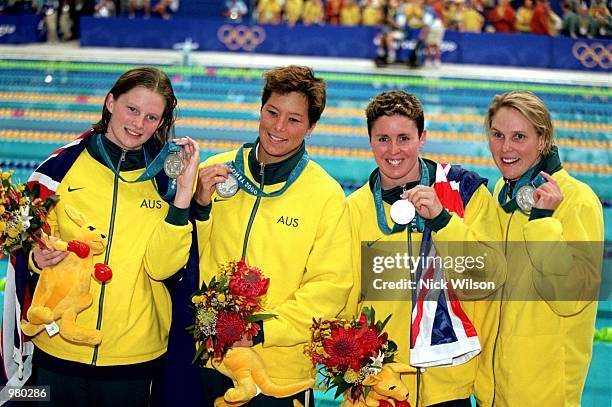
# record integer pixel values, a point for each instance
(2, 226)
(351, 376)
(13, 232)
(7, 175)
(2, 209)
(221, 297)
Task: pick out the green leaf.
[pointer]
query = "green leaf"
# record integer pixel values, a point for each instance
(199, 352)
(341, 388)
(337, 380)
(390, 352)
(384, 323)
(258, 317)
(50, 201)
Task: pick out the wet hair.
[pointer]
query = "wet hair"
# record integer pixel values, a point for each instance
(530, 106)
(395, 102)
(154, 80)
(300, 79)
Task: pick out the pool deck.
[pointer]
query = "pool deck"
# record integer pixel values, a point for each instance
(71, 51)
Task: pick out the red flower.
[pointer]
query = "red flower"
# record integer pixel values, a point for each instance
(230, 328)
(343, 350)
(248, 281)
(370, 342)
(317, 358)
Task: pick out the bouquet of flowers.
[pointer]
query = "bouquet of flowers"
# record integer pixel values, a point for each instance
(225, 309)
(22, 215)
(349, 351)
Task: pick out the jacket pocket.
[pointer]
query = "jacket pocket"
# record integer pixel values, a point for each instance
(533, 371)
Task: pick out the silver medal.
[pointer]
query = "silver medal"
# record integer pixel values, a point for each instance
(402, 212)
(524, 198)
(227, 188)
(173, 165)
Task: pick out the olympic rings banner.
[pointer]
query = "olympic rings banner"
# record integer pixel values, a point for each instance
(525, 50)
(593, 54)
(241, 37)
(219, 35)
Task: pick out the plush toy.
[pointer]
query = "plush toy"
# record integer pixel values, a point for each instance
(63, 290)
(387, 388)
(246, 369)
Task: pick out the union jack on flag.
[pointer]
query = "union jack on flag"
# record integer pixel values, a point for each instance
(441, 333)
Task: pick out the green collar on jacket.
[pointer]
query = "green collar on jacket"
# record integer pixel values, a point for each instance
(134, 159)
(275, 172)
(393, 194)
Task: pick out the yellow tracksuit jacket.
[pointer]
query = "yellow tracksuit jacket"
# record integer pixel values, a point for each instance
(549, 303)
(301, 241)
(439, 383)
(134, 307)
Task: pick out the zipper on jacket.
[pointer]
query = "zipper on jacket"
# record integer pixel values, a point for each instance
(108, 248)
(500, 306)
(253, 212)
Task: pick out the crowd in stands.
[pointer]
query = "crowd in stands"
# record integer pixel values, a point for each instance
(99, 8)
(577, 18)
(61, 17)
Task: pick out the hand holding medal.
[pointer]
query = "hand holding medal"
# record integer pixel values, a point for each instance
(425, 200)
(547, 195)
(214, 177)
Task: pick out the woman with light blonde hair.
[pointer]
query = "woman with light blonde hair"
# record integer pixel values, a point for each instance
(553, 228)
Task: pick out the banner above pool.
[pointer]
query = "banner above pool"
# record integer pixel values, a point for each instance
(21, 29)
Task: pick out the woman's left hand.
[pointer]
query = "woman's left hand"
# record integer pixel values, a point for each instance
(186, 181)
(548, 195)
(425, 201)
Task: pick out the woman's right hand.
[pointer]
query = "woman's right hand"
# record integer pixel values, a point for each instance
(47, 257)
(208, 177)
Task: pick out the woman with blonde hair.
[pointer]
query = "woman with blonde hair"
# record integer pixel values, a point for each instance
(553, 228)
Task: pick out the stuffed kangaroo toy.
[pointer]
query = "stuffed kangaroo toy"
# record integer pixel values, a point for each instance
(63, 290)
(387, 386)
(247, 371)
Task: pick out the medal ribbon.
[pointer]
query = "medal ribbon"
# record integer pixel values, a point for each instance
(418, 223)
(251, 188)
(151, 169)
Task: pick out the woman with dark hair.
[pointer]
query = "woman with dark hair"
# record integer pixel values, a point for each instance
(414, 206)
(289, 219)
(113, 175)
(553, 228)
